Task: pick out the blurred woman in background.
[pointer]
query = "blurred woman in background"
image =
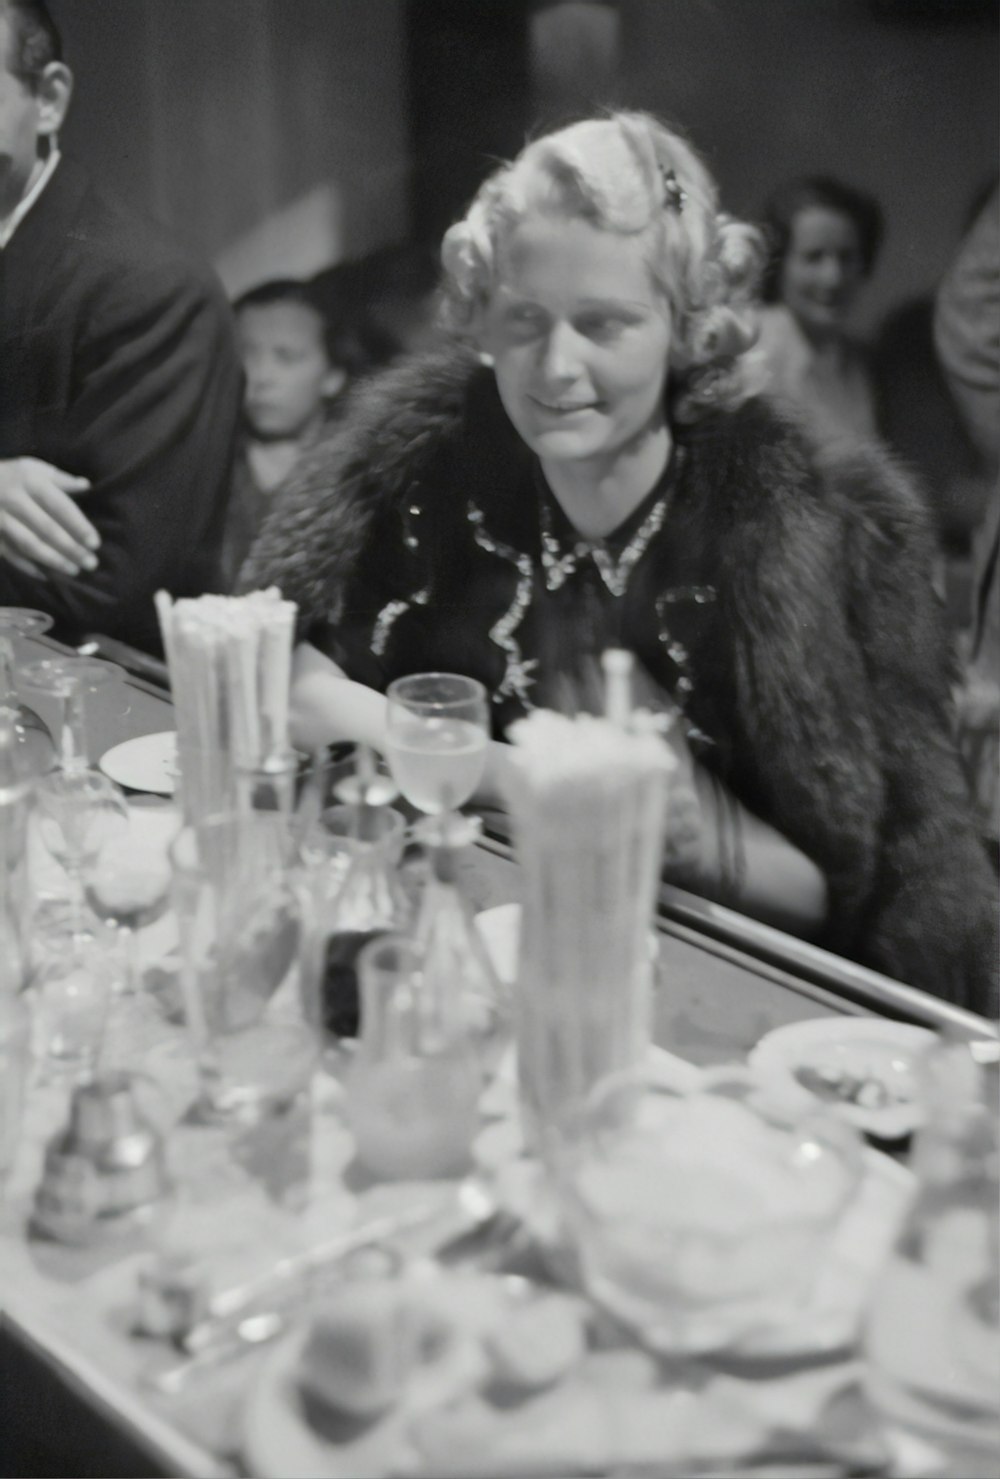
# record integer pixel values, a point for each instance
(296, 363)
(824, 238)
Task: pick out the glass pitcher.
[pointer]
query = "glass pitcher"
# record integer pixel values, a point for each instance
(414, 1083)
(933, 1333)
(452, 948)
(354, 895)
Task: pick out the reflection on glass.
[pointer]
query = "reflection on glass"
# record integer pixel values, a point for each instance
(35, 749)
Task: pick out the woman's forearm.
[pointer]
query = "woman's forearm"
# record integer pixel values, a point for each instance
(745, 863)
(327, 706)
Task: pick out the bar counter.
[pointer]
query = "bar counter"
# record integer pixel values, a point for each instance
(72, 1401)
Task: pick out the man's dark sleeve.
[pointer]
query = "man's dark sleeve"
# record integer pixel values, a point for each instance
(151, 422)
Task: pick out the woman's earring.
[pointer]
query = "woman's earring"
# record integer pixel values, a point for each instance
(486, 359)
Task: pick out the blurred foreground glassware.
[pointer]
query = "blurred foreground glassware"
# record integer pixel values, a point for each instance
(933, 1335)
(354, 896)
(15, 1013)
(697, 1219)
(414, 1084)
(70, 680)
(78, 811)
(240, 925)
(126, 882)
(36, 752)
(452, 949)
(270, 785)
(106, 1171)
(74, 978)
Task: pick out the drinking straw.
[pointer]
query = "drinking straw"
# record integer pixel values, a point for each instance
(276, 674)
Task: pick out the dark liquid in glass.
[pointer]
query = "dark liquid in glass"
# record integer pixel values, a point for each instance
(341, 999)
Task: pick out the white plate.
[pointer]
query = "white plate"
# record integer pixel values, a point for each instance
(863, 1047)
(146, 763)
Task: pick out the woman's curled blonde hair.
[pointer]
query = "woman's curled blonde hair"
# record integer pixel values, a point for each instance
(629, 173)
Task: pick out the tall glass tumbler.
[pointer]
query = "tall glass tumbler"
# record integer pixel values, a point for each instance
(240, 927)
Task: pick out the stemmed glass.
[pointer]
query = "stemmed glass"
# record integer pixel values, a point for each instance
(78, 811)
(126, 882)
(69, 679)
(437, 732)
(36, 751)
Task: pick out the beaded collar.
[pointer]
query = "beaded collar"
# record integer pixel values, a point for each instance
(614, 566)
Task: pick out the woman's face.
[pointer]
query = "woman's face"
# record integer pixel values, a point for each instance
(288, 375)
(823, 268)
(580, 338)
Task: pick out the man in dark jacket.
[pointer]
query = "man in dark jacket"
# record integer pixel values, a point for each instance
(119, 380)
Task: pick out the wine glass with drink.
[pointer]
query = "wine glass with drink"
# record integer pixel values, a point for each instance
(437, 733)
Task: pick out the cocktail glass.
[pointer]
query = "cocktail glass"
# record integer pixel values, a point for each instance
(437, 733)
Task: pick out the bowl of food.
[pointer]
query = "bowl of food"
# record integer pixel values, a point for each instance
(701, 1219)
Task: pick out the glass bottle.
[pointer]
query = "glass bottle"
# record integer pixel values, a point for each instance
(456, 964)
(933, 1332)
(354, 895)
(15, 1014)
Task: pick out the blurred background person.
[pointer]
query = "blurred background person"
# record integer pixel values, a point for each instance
(921, 418)
(119, 382)
(967, 337)
(824, 238)
(297, 361)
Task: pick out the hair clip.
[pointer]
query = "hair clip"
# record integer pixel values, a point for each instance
(673, 195)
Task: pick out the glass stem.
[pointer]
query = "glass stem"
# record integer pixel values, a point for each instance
(133, 969)
(74, 872)
(72, 740)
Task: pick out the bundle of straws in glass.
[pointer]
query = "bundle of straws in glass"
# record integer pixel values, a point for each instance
(230, 671)
(587, 798)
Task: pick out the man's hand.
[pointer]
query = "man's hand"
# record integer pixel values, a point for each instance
(41, 527)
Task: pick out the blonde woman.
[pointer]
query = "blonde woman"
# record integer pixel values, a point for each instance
(583, 464)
